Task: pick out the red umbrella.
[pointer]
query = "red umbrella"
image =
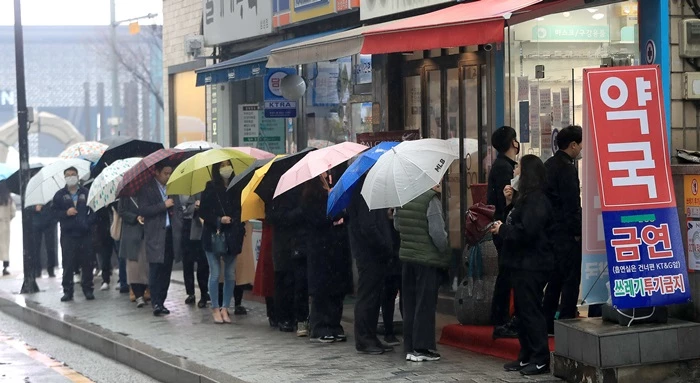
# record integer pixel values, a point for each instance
(144, 170)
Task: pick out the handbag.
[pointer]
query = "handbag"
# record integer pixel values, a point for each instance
(115, 230)
(477, 221)
(218, 241)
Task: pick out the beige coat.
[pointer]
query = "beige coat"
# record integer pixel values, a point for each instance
(137, 271)
(245, 262)
(7, 212)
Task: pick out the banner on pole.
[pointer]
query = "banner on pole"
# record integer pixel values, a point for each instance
(646, 260)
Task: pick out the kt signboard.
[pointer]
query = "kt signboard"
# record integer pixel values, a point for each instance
(646, 259)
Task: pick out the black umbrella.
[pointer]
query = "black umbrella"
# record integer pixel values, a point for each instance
(13, 180)
(121, 148)
(266, 189)
(239, 182)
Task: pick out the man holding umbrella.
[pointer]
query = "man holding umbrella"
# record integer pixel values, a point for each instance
(70, 207)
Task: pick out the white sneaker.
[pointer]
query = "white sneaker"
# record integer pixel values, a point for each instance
(76, 278)
(105, 286)
(140, 302)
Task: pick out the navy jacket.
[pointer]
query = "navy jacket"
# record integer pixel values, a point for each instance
(79, 224)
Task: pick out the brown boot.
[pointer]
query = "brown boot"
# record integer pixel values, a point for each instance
(217, 316)
(132, 296)
(147, 295)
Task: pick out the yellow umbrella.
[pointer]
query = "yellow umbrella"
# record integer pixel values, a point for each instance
(252, 206)
(192, 175)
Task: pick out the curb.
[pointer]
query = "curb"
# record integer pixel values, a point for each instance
(149, 360)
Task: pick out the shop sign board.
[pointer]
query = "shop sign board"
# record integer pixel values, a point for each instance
(226, 21)
(372, 139)
(276, 106)
(370, 9)
(646, 259)
(258, 131)
(580, 33)
(309, 9)
(691, 196)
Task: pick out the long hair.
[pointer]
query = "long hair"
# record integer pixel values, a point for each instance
(315, 189)
(4, 194)
(532, 176)
(216, 174)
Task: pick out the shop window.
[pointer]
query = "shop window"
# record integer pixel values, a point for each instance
(434, 105)
(327, 109)
(413, 109)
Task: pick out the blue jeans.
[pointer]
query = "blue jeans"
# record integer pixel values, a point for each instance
(229, 278)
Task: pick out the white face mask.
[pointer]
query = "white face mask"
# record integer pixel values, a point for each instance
(514, 182)
(72, 180)
(226, 172)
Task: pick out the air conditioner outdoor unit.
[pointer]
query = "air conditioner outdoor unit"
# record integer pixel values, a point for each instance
(194, 45)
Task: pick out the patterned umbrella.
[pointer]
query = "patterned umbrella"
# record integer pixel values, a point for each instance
(254, 152)
(104, 188)
(188, 145)
(143, 171)
(88, 150)
(121, 147)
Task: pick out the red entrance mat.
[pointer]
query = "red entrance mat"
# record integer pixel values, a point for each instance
(479, 339)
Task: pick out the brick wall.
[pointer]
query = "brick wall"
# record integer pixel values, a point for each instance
(181, 18)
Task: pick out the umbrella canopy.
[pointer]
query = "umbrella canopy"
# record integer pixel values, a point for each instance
(339, 196)
(470, 146)
(192, 175)
(121, 148)
(88, 150)
(406, 171)
(104, 188)
(255, 152)
(242, 179)
(144, 170)
(6, 171)
(44, 185)
(266, 187)
(13, 180)
(252, 206)
(188, 145)
(317, 162)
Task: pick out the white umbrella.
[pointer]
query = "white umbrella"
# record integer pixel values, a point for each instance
(44, 185)
(188, 145)
(406, 171)
(470, 146)
(104, 188)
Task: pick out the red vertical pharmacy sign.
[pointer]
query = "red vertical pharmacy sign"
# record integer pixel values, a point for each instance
(644, 246)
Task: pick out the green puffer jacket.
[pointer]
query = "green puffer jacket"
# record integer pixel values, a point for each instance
(416, 244)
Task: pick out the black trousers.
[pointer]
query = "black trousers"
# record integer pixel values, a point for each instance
(292, 293)
(193, 253)
(326, 314)
(532, 331)
(77, 256)
(159, 273)
(564, 283)
(419, 290)
(138, 289)
(104, 255)
(50, 243)
(500, 305)
(270, 308)
(392, 286)
(370, 281)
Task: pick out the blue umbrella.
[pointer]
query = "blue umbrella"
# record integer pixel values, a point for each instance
(339, 197)
(6, 171)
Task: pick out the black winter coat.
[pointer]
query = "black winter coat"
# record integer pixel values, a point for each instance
(286, 216)
(216, 203)
(499, 177)
(370, 230)
(526, 241)
(79, 224)
(564, 191)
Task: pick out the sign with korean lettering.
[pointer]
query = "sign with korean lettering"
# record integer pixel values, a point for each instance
(691, 195)
(646, 260)
(226, 21)
(276, 106)
(580, 33)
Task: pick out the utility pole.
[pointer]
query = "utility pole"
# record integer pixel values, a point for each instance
(115, 72)
(29, 285)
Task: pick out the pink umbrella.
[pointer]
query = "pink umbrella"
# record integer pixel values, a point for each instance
(258, 154)
(317, 162)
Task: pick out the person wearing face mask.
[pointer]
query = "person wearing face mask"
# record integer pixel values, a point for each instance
(221, 214)
(564, 190)
(504, 140)
(75, 217)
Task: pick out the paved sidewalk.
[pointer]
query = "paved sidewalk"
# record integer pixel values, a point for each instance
(19, 367)
(250, 351)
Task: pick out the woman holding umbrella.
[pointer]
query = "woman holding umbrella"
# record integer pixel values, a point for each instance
(7, 213)
(222, 237)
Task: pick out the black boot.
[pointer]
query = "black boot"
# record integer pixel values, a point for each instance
(67, 297)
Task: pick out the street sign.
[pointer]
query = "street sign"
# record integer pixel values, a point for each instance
(650, 52)
(276, 106)
(646, 260)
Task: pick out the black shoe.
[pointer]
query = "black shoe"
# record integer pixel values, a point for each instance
(391, 340)
(370, 350)
(190, 300)
(67, 298)
(385, 347)
(157, 311)
(89, 296)
(515, 366)
(286, 327)
(240, 310)
(51, 273)
(5, 272)
(424, 356)
(535, 369)
(504, 331)
(203, 301)
(124, 290)
(323, 339)
(341, 338)
(273, 322)
(164, 310)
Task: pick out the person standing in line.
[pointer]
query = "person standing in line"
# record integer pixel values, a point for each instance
(162, 228)
(7, 213)
(504, 140)
(371, 245)
(70, 207)
(264, 284)
(392, 287)
(564, 190)
(132, 249)
(223, 216)
(44, 231)
(424, 252)
(103, 244)
(527, 252)
(193, 253)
